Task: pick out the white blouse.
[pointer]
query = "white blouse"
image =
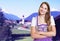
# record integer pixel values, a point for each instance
(34, 21)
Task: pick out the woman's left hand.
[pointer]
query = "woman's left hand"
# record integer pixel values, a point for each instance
(41, 33)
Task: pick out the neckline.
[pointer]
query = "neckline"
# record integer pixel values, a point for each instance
(41, 23)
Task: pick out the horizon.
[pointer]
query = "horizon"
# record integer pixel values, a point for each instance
(27, 7)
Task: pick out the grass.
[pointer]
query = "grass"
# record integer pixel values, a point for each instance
(26, 39)
(16, 31)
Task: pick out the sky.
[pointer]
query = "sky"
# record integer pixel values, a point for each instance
(26, 7)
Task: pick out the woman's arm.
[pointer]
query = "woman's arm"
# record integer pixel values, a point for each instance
(51, 33)
(34, 33)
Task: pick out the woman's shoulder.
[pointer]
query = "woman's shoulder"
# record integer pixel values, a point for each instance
(52, 20)
(51, 16)
(33, 22)
(35, 17)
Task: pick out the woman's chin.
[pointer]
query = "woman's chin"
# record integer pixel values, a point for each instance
(42, 14)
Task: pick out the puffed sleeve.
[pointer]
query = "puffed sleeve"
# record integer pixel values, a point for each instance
(33, 22)
(52, 21)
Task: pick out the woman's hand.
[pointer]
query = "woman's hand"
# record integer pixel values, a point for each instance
(39, 32)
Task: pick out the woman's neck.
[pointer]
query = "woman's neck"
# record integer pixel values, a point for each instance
(42, 16)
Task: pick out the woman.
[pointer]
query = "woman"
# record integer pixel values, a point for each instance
(43, 26)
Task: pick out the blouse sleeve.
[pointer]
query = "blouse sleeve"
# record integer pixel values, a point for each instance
(33, 23)
(52, 21)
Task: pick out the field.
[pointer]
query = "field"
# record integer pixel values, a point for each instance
(21, 35)
(26, 39)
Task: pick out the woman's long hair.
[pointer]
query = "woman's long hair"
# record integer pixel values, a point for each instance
(47, 15)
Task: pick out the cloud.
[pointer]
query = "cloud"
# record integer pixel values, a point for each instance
(4, 10)
(54, 9)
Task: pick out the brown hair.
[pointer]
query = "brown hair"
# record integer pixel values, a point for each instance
(47, 15)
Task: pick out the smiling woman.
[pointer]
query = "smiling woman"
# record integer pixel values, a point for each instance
(43, 26)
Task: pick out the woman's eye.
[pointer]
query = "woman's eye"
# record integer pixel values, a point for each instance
(41, 7)
(45, 8)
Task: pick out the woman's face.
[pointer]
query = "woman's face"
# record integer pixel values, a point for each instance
(43, 9)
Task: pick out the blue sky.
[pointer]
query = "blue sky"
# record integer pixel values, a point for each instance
(26, 7)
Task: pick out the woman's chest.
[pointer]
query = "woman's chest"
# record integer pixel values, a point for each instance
(42, 27)
(41, 21)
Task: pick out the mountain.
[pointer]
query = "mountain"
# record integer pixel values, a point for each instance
(29, 18)
(57, 18)
(11, 16)
(53, 13)
(57, 22)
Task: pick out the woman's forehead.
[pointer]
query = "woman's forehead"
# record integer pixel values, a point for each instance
(44, 5)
